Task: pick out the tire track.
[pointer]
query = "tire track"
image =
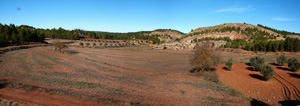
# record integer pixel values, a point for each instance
(294, 88)
(286, 90)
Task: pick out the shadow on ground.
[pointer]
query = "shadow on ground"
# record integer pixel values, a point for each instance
(196, 69)
(3, 83)
(209, 75)
(290, 103)
(256, 102)
(224, 68)
(71, 51)
(248, 64)
(274, 64)
(250, 68)
(257, 76)
(295, 75)
(282, 68)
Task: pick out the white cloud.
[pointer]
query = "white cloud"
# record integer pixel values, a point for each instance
(235, 9)
(283, 19)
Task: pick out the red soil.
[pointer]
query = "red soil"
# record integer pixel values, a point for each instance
(41, 98)
(280, 88)
(146, 77)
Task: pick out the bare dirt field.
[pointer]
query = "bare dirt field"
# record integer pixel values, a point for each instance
(110, 76)
(283, 89)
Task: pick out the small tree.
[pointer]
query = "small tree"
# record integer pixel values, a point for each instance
(94, 44)
(81, 44)
(105, 44)
(59, 46)
(293, 64)
(257, 63)
(204, 58)
(229, 63)
(87, 44)
(281, 59)
(268, 72)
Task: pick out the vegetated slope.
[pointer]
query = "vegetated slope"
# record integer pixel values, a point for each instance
(167, 35)
(234, 31)
(164, 35)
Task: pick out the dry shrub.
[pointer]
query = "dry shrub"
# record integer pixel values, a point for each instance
(258, 63)
(59, 45)
(204, 58)
(281, 59)
(210, 76)
(268, 72)
(229, 63)
(293, 64)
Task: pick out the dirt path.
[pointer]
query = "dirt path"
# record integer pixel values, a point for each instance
(290, 90)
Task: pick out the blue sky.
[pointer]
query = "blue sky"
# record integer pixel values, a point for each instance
(138, 15)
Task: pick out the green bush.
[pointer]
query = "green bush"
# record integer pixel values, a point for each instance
(229, 63)
(94, 44)
(257, 63)
(281, 59)
(268, 72)
(87, 44)
(293, 64)
(81, 44)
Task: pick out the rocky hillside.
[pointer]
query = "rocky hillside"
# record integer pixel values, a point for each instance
(230, 31)
(167, 35)
(233, 31)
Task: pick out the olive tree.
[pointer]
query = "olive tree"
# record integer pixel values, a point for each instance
(59, 45)
(204, 58)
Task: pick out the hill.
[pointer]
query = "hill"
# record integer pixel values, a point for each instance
(167, 35)
(224, 33)
(233, 31)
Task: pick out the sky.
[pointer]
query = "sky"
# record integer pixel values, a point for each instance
(147, 15)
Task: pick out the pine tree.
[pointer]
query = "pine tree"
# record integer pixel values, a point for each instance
(14, 38)
(296, 44)
(281, 46)
(275, 46)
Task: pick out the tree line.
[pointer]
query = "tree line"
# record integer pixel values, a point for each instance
(278, 31)
(289, 45)
(61, 33)
(211, 38)
(14, 35)
(123, 36)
